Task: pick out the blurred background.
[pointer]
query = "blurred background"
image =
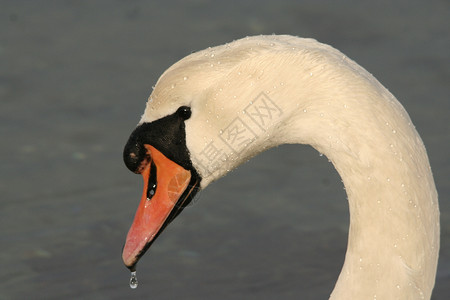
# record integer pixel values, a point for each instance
(74, 79)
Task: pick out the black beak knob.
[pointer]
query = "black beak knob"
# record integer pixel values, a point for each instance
(134, 152)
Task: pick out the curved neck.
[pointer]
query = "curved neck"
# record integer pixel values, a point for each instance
(393, 237)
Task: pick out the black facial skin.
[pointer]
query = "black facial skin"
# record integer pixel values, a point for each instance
(168, 135)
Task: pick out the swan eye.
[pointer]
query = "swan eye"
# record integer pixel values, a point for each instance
(184, 112)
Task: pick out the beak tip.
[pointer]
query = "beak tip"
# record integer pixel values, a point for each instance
(130, 263)
(132, 268)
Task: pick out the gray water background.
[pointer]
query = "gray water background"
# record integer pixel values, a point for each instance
(74, 79)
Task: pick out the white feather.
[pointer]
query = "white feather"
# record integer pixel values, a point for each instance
(259, 92)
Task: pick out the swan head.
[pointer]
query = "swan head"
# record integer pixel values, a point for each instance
(207, 114)
(216, 108)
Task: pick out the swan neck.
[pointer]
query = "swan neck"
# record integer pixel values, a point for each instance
(393, 237)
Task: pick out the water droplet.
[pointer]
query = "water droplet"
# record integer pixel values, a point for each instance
(394, 131)
(133, 280)
(185, 78)
(304, 110)
(321, 154)
(398, 286)
(212, 54)
(172, 86)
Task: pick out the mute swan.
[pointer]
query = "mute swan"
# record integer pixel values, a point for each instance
(217, 108)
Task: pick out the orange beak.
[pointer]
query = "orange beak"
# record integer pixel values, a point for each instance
(166, 189)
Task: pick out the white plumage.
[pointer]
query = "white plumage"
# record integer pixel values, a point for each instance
(259, 92)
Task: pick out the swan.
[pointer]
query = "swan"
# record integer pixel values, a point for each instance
(215, 109)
